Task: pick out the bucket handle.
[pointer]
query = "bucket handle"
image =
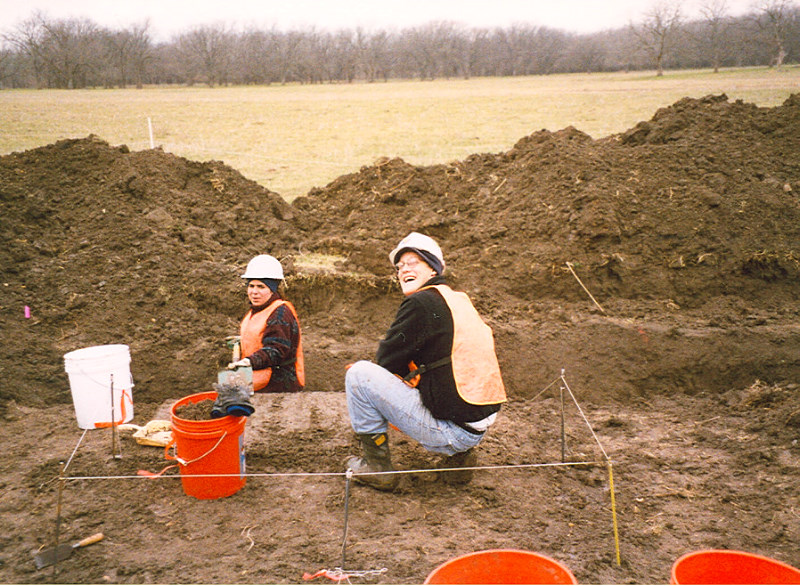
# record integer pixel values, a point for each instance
(183, 462)
(123, 413)
(93, 379)
(148, 474)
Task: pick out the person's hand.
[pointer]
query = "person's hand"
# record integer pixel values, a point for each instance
(238, 363)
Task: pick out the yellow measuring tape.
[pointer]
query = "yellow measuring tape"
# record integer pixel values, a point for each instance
(614, 511)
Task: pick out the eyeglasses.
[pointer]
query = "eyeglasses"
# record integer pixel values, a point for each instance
(410, 264)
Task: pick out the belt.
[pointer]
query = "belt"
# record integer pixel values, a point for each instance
(468, 428)
(426, 367)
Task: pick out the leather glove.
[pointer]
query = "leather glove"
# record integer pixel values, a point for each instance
(238, 363)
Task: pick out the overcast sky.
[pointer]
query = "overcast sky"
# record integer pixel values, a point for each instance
(168, 17)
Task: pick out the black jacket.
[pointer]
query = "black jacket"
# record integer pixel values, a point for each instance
(423, 332)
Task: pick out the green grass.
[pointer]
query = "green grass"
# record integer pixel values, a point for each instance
(292, 138)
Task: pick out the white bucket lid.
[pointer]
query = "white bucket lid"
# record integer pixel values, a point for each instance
(94, 352)
(94, 358)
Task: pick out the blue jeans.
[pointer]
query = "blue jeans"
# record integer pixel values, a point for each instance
(376, 397)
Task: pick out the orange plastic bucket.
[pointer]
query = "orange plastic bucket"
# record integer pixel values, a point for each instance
(501, 566)
(718, 566)
(213, 446)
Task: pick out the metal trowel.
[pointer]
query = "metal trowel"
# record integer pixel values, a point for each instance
(48, 557)
(241, 376)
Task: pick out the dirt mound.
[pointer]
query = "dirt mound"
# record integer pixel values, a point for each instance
(684, 230)
(658, 267)
(691, 219)
(107, 246)
(675, 208)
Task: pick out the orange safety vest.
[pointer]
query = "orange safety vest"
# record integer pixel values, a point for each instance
(475, 367)
(251, 331)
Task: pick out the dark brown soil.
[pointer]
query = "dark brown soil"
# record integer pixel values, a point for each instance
(200, 411)
(657, 269)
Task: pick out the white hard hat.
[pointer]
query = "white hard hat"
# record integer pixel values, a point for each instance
(263, 266)
(417, 242)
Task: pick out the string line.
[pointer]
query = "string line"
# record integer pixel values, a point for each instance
(348, 473)
(334, 474)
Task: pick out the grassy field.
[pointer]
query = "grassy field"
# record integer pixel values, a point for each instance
(293, 138)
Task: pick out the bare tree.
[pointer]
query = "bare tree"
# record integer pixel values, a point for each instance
(257, 57)
(75, 53)
(376, 56)
(432, 50)
(775, 19)
(715, 26)
(313, 43)
(585, 54)
(288, 52)
(207, 54)
(7, 65)
(656, 31)
(477, 58)
(512, 48)
(26, 38)
(450, 41)
(346, 48)
(141, 51)
(59, 51)
(129, 51)
(71, 52)
(463, 55)
(549, 47)
(419, 51)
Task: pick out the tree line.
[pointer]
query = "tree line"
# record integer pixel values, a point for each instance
(42, 52)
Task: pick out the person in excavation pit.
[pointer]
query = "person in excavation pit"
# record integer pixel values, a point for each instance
(271, 341)
(436, 376)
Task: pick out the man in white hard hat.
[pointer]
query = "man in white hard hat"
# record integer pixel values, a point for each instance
(435, 377)
(270, 331)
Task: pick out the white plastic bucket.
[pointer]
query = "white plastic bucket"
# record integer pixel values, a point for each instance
(93, 372)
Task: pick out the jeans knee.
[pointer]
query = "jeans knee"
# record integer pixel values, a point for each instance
(356, 374)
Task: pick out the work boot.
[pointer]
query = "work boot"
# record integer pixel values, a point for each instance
(376, 459)
(232, 400)
(468, 459)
